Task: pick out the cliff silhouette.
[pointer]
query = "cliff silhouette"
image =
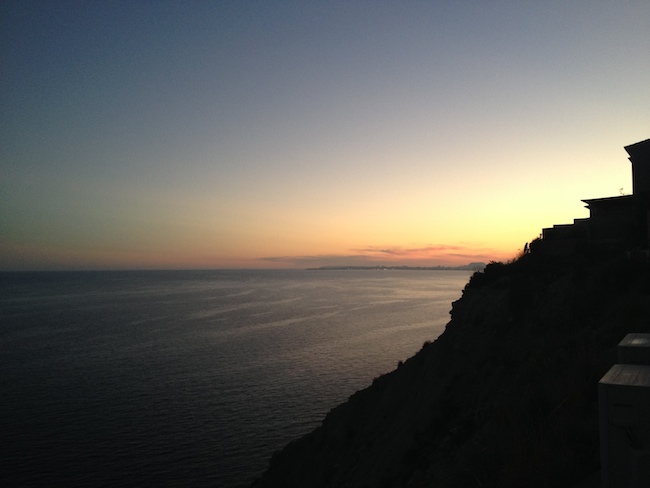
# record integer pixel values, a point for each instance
(505, 397)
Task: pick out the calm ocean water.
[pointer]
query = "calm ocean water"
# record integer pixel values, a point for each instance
(193, 378)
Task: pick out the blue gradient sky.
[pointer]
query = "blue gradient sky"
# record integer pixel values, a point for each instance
(289, 134)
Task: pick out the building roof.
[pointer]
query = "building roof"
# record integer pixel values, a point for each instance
(610, 201)
(639, 150)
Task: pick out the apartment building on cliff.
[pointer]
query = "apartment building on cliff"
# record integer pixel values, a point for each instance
(614, 223)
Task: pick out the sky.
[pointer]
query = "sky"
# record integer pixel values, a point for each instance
(293, 134)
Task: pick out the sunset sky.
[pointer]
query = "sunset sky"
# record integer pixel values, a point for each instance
(179, 134)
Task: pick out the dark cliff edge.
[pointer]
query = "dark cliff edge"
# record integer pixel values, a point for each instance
(505, 397)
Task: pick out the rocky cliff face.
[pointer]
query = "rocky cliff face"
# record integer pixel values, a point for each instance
(506, 397)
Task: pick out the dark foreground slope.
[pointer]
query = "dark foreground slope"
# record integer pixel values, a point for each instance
(506, 397)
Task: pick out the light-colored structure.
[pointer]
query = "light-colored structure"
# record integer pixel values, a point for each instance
(624, 406)
(634, 349)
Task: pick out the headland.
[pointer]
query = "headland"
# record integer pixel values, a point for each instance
(507, 396)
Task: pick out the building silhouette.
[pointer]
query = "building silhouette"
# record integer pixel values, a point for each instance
(620, 223)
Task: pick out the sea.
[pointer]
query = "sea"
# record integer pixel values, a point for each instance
(193, 378)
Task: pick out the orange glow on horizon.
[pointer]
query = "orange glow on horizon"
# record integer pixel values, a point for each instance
(34, 257)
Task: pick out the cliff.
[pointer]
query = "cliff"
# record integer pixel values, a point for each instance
(505, 397)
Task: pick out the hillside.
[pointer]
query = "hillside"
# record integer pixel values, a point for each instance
(505, 397)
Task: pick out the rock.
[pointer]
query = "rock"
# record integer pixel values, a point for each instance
(505, 397)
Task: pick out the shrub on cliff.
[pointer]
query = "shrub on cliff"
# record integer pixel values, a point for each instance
(506, 397)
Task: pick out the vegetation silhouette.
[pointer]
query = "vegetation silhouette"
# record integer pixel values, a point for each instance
(507, 396)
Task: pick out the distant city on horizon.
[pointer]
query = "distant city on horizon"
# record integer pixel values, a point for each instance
(478, 266)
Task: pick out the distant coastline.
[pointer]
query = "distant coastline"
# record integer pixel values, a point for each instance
(466, 267)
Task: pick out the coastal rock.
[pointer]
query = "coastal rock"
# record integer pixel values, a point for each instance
(505, 397)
